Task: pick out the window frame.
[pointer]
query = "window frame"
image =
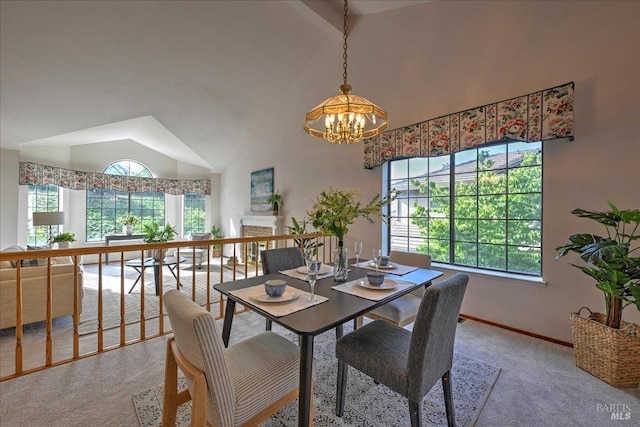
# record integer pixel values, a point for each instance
(519, 259)
(39, 235)
(147, 206)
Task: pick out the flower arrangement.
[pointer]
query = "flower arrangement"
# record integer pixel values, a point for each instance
(129, 219)
(335, 210)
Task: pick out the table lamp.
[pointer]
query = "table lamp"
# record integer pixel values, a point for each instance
(50, 219)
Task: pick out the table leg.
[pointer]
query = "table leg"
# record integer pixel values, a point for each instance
(137, 280)
(156, 277)
(305, 417)
(228, 320)
(172, 269)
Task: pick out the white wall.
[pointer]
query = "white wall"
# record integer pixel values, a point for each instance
(437, 58)
(9, 196)
(89, 158)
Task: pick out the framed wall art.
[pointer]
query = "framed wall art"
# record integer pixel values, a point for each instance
(261, 190)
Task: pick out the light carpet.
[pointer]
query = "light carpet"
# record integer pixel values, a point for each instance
(367, 404)
(113, 297)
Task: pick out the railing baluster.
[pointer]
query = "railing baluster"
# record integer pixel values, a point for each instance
(22, 357)
(18, 355)
(49, 320)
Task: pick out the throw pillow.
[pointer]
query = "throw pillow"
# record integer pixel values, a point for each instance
(34, 262)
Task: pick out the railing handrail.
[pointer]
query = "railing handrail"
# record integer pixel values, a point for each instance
(98, 250)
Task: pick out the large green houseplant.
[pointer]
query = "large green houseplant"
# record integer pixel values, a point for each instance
(609, 258)
(334, 211)
(604, 345)
(307, 245)
(157, 234)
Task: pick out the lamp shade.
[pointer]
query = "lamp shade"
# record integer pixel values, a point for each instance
(48, 218)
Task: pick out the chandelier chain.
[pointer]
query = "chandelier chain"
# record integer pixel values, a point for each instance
(344, 45)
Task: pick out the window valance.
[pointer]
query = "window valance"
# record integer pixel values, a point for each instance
(538, 116)
(35, 174)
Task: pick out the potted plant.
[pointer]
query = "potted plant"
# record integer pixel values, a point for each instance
(64, 239)
(307, 245)
(334, 211)
(606, 346)
(128, 222)
(276, 201)
(157, 234)
(216, 233)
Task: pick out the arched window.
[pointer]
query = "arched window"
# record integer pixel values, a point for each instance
(106, 209)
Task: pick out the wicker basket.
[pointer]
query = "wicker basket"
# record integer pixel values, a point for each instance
(613, 355)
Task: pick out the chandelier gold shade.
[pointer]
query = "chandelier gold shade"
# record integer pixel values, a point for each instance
(345, 118)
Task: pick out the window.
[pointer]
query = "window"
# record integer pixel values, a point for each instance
(478, 208)
(194, 213)
(41, 198)
(107, 208)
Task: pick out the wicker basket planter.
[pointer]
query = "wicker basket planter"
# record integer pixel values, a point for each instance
(613, 355)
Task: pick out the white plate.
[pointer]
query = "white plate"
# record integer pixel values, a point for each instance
(324, 269)
(289, 295)
(389, 266)
(385, 286)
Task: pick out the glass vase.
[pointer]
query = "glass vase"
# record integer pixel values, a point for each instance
(340, 263)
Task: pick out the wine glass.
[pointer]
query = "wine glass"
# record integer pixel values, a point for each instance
(377, 255)
(358, 251)
(312, 275)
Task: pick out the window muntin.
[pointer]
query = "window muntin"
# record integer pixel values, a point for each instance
(194, 213)
(479, 208)
(107, 208)
(41, 198)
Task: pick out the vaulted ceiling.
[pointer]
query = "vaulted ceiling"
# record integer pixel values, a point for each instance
(189, 79)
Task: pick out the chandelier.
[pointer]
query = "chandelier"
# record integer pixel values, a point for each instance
(347, 118)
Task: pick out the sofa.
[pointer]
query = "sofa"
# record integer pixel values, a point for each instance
(34, 289)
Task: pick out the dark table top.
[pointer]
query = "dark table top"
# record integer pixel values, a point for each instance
(341, 307)
(150, 262)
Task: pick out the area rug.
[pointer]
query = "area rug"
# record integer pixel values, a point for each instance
(367, 404)
(112, 294)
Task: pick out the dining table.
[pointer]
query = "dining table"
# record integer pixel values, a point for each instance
(336, 306)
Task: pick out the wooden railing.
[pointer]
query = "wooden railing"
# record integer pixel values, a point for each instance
(62, 337)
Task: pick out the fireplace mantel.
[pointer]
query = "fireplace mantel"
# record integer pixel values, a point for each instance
(272, 221)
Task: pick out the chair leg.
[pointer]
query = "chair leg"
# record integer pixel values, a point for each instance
(267, 325)
(414, 413)
(339, 332)
(341, 386)
(448, 399)
(170, 400)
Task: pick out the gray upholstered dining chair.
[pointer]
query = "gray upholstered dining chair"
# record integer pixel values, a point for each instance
(242, 385)
(408, 362)
(274, 260)
(403, 310)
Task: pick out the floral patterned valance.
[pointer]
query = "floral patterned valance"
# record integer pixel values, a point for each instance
(539, 116)
(35, 174)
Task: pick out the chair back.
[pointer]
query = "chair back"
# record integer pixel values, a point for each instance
(198, 340)
(413, 259)
(200, 236)
(433, 336)
(274, 260)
